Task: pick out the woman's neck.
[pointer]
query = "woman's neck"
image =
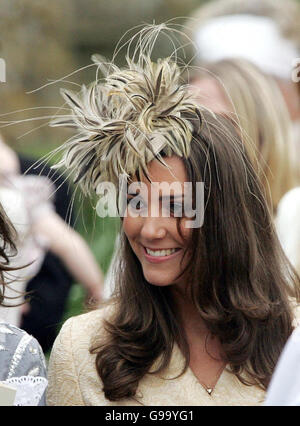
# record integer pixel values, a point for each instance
(205, 349)
(190, 317)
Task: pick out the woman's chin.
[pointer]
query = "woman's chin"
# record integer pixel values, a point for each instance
(159, 284)
(158, 281)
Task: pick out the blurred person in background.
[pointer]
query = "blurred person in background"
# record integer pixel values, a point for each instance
(22, 362)
(28, 201)
(264, 32)
(51, 286)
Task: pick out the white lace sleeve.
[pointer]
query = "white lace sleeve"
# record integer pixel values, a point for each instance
(29, 389)
(22, 365)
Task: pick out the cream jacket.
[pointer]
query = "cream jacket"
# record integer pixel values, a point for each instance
(73, 379)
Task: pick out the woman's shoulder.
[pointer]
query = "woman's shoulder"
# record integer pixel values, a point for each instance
(71, 370)
(81, 330)
(72, 365)
(83, 321)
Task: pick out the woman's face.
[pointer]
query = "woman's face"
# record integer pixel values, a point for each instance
(155, 240)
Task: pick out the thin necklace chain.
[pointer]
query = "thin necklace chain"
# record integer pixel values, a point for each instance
(210, 389)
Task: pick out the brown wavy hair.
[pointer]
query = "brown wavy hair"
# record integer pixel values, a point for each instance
(8, 236)
(239, 279)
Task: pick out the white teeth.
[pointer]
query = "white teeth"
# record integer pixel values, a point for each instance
(160, 253)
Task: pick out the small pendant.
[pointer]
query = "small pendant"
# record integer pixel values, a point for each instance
(209, 391)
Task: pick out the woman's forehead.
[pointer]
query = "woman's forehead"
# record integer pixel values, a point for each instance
(175, 172)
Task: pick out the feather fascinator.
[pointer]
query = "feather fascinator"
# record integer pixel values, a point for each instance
(126, 120)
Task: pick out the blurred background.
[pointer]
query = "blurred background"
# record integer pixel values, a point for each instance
(42, 41)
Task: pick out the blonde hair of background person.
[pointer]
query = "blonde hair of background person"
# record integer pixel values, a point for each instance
(276, 51)
(237, 88)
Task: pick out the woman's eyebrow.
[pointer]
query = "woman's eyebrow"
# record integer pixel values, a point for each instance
(133, 193)
(161, 197)
(171, 196)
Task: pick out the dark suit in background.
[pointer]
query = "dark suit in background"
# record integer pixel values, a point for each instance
(52, 284)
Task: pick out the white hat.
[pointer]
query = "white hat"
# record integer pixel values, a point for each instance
(255, 38)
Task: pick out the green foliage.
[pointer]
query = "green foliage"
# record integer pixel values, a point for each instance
(100, 234)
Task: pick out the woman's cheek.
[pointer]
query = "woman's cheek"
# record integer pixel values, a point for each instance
(131, 226)
(127, 226)
(185, 231)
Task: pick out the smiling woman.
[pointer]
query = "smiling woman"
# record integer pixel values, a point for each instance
(200, 314)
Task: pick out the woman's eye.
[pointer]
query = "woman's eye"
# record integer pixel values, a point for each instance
(139, 205)
(176, 209)
(136, 203)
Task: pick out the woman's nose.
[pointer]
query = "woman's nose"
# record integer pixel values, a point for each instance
(153, 227)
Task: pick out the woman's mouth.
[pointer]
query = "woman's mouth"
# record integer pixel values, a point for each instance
(160, 255)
